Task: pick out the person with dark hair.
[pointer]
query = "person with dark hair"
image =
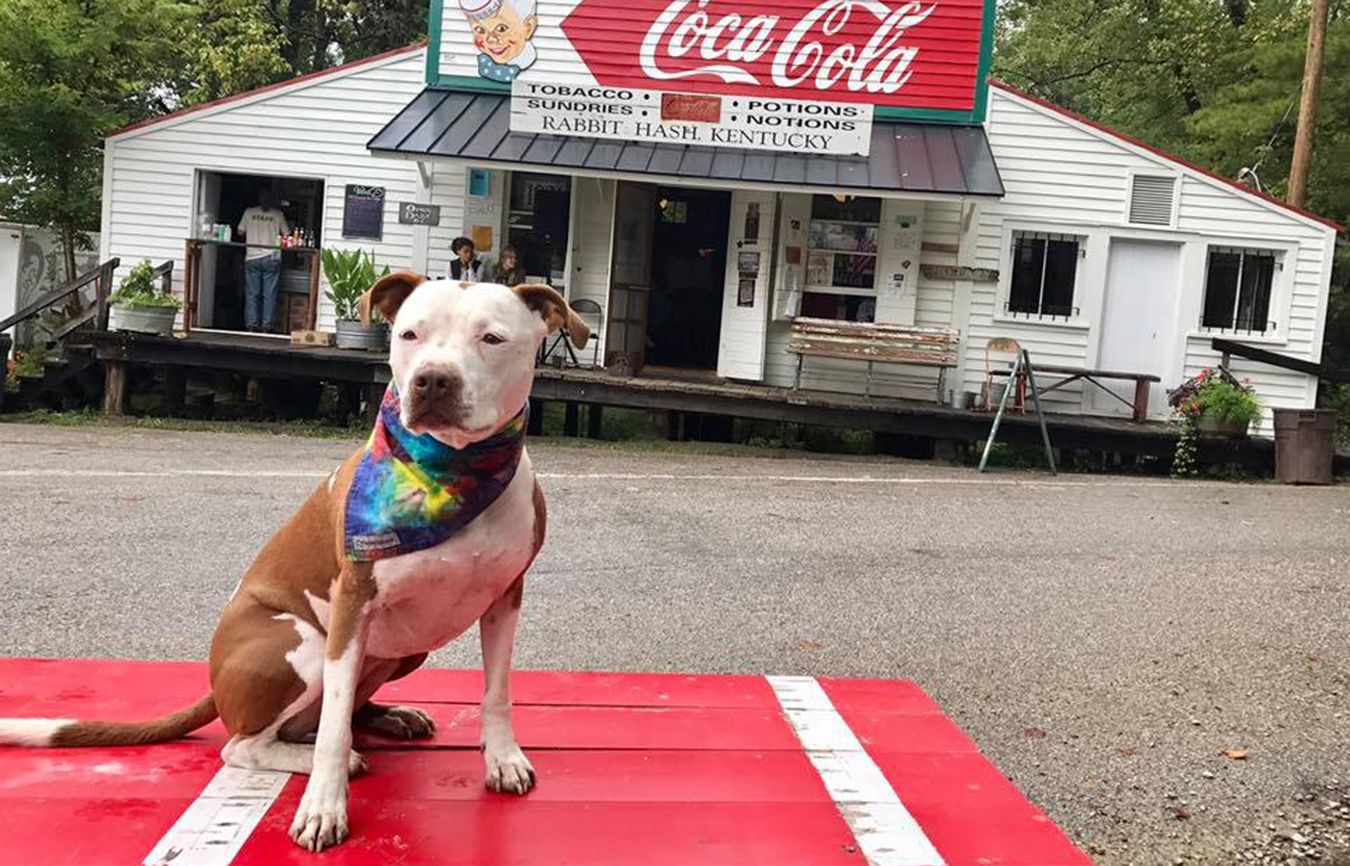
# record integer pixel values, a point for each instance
(508, 271)
(261, 226)
(465, 266)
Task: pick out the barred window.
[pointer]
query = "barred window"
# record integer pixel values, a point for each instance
(1044, 273)
(1238, 284)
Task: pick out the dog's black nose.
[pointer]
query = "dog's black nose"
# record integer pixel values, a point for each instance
(435, 383)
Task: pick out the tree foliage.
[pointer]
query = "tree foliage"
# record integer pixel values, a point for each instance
(70, 71)
(242, 44)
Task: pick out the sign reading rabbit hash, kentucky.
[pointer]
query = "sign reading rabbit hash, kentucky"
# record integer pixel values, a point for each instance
(793, 75)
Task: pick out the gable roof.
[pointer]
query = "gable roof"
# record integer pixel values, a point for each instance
(1130, 141)
(331, 72)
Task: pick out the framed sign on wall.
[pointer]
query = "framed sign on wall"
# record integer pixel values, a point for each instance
(363, 212)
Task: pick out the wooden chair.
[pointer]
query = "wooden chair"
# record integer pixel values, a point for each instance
(1011, 347)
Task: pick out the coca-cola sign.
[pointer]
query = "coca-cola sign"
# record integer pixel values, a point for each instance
(911, 54)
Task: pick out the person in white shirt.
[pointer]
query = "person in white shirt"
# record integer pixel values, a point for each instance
(260, 227)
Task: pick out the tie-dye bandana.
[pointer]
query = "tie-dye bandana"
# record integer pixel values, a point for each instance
(412, 492)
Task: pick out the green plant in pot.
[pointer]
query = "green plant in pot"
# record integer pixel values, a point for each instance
(1214, 405)
(140, 305)
(349, 274)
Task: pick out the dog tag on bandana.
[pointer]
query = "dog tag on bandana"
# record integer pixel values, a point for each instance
(413, 492)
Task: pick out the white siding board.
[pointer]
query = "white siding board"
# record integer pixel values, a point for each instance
(316, 129)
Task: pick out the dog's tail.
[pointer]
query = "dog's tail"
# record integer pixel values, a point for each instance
(72, 732)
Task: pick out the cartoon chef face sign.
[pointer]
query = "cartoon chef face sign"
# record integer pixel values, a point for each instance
(502, 30)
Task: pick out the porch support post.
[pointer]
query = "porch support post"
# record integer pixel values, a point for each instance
(114, 387)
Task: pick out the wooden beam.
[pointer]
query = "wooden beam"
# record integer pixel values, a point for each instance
(1284, 362)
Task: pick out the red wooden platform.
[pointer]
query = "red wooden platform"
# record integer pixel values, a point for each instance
(649, 770)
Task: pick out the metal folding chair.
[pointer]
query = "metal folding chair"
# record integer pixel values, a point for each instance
(590, 313)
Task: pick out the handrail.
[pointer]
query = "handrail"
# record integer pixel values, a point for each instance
(1298, 365)
(60, 293)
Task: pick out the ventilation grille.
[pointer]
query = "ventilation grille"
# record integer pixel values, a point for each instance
(1151, 200)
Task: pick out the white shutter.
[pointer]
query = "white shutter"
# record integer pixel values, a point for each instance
(1151, 199)
(741, 347)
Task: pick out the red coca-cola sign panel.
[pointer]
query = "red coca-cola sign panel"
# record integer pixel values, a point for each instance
(912, 54)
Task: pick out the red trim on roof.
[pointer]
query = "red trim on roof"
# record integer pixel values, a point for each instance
(224, 100)
(1059, 109)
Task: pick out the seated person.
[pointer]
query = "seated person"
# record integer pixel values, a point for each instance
(508, 271)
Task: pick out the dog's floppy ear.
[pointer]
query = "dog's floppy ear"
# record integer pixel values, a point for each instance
(388, 294)
(553, 308)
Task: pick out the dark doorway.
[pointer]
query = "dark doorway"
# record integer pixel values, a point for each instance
(689, 263)
(223, 198)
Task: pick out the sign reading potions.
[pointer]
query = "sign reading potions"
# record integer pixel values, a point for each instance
(922, 56)
(363, 212)
(674, 118)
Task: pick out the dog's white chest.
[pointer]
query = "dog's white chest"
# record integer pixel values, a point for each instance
(426, 599)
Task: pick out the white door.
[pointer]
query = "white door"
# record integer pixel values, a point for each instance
(1139, 315)
(745, 299)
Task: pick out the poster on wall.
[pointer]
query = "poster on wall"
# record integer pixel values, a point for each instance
(745, 292)
(363, 212)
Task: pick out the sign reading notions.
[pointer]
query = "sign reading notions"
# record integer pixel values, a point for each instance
(746, 122)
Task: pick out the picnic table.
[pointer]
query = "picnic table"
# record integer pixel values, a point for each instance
(1142, 381)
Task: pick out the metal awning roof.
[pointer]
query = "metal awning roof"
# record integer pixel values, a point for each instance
(913, 158)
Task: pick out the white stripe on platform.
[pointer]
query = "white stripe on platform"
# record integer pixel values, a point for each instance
(218, 823)
(887, 834)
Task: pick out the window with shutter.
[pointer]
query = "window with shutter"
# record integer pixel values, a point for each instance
(1151, 199)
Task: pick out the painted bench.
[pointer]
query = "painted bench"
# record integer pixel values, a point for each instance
(872, 342)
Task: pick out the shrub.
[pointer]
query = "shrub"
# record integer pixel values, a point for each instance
(138, 289)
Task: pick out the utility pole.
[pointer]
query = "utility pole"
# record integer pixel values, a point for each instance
(1307, 108)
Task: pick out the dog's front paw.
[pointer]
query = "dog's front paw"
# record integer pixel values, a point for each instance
(405, 723)
(508, 770)
(321, 820)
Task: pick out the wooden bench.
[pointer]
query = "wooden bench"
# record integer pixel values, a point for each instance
(865, 341)
(1138, 408)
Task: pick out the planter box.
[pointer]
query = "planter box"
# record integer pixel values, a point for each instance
(1212, 427)
(144, 320)
(354, 335)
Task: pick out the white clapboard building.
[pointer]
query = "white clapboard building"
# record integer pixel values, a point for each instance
(709, 173)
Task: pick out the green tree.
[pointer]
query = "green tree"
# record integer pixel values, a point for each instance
(70, 72)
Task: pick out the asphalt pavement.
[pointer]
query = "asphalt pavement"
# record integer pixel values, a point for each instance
(1103, 640)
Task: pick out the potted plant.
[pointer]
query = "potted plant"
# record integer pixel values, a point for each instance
(140, 306)
(350, 273)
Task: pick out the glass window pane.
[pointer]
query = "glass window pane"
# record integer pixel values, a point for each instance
(1258, 274)
(1028, 263)
(1061, 270)
(1221, 289)
(852, 209)
(845, 237)
(857, 272)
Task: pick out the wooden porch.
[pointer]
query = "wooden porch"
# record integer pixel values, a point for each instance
(276, 358)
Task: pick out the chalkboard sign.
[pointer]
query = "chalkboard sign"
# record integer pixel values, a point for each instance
(363, 212)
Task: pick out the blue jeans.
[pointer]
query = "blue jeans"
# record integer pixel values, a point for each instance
(261, 276)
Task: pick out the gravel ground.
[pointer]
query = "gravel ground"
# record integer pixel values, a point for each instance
(1104, 640)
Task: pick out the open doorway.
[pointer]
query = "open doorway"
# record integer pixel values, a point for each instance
(537, 225)
(222, 199)
(688, 276)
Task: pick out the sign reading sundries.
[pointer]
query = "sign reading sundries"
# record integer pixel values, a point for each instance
(749, 122)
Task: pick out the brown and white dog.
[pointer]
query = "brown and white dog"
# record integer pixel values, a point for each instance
(309, 635)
